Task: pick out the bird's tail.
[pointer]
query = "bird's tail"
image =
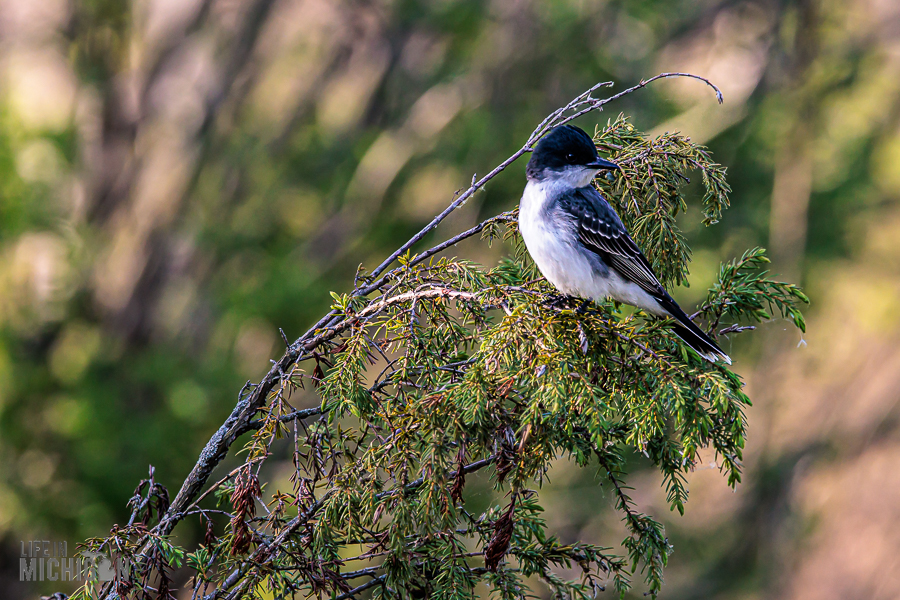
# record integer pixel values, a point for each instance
(694, 337)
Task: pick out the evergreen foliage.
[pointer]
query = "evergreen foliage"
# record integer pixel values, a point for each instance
(441, 368)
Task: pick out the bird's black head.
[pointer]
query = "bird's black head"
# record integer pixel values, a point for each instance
(568, 152)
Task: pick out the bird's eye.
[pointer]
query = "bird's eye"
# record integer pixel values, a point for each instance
(570, 157)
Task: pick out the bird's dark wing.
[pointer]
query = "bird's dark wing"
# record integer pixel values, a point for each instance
(601, 230)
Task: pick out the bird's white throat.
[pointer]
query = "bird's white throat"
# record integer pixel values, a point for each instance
(571, 177)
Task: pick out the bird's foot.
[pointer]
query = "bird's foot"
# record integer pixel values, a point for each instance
(583, 306)
(566, 302)
(558, 302)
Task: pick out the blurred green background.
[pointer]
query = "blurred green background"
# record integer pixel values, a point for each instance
(181, 178)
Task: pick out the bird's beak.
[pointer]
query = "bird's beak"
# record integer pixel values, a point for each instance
(600, 163)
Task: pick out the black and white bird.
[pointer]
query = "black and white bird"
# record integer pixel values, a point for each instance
(579, 242)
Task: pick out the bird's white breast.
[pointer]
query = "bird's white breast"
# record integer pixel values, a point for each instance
(552, 240)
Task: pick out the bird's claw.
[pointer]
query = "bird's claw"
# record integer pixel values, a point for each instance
(558, 302)
(583, 306)
(566, 302)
